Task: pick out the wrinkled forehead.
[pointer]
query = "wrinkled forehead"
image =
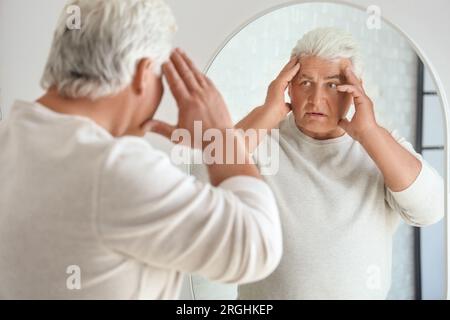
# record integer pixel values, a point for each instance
(321, 68)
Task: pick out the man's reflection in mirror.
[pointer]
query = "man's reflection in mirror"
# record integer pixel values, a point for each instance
(344, 183)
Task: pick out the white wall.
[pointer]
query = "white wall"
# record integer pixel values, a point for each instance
(26, 29)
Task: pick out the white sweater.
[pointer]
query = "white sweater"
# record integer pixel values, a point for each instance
(72, 196)
(338, 219)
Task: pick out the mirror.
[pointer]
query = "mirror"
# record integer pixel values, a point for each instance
(404, 97)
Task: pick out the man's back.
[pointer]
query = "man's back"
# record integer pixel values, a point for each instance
(78, 207)
(58, 157)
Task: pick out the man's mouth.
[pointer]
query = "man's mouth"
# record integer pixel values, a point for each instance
(316, 114)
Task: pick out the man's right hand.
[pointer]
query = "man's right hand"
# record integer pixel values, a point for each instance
(196, 96)
(275, 109)
(198, 100)
(275, 100)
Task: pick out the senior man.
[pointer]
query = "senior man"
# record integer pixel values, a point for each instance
(87, 211)
(343, 185)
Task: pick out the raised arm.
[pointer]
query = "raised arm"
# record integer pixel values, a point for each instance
(149, 210)
(198, 100)
(413, 187)
(274, 109)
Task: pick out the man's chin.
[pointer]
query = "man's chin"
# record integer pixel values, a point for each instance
(317, 129)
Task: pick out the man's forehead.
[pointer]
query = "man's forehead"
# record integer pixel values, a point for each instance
(326, 68)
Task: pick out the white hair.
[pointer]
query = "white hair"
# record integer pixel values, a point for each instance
(330, 43)
(100, 58)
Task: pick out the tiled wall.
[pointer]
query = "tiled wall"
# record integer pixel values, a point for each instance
(252, 58)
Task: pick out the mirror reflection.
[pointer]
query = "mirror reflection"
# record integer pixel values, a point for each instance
(358, 180)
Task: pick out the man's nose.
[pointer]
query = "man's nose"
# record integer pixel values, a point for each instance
(316, 96)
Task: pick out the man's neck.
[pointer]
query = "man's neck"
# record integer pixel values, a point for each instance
(338, 132)
(101, 111)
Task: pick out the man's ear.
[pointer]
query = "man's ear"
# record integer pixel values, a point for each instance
(143, 68)
(290, 89)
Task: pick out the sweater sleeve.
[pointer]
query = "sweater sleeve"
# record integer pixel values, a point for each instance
(422, 203)
(151, 211)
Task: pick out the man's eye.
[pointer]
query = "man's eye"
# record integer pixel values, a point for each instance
(305, 83)
(332, 85)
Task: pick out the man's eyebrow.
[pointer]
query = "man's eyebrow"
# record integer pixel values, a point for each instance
(336, 76)
(306, 76)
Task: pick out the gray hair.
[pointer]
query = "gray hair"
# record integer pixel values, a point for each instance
(100, 58)
(330, 43)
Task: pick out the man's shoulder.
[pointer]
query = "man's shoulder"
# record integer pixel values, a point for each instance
(132, 149)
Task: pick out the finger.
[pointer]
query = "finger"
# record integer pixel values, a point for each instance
(353, 90)
(344, 124)
(176, 84)
(290, 74)
(184, 71)
(159, 127)
(286, 76)
(358, 97)
(197, 73)
(209, 82)
(290, 64)
(352, 78)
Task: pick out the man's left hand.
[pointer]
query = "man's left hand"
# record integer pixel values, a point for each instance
(363, 120)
